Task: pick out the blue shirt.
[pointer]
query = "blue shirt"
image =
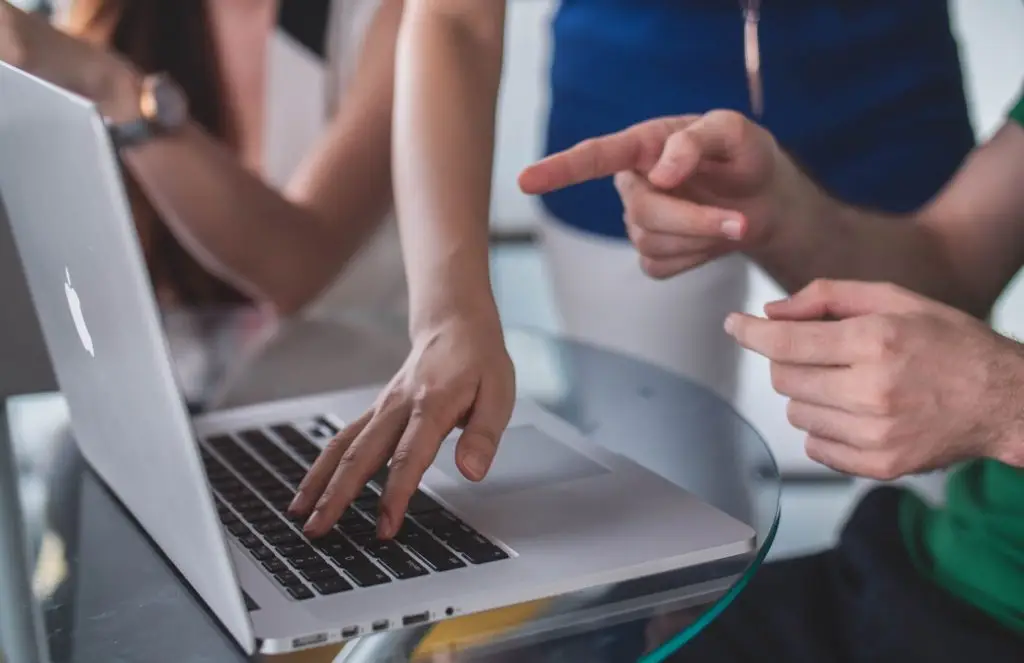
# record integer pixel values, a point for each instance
(866, 94)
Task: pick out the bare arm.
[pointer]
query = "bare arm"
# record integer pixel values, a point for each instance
(283, 247)
(447, 78)
(962, 248)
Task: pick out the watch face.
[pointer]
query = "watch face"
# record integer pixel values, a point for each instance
(163, 103)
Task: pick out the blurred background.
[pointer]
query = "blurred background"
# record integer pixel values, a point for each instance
(993, 56)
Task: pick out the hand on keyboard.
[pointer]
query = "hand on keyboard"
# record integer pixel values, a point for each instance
(458, 374)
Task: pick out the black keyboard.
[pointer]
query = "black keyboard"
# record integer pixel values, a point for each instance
(254, 480)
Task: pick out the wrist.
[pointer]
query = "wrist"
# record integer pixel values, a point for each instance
(458, 305)
(1006, 444)
(115, 86)
(797, 205)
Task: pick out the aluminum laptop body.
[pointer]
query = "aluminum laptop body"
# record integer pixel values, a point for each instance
(557, 513)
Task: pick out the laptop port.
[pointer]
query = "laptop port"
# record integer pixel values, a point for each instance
(411, 620)
(380, 625)
(350, 632)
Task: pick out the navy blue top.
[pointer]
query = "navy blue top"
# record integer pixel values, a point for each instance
(866, 94)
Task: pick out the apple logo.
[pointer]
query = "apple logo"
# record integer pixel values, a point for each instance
(75, 305)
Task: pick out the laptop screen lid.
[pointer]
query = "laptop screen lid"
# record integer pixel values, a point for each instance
(69, 215)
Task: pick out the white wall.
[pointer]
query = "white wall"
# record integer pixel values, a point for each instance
(993, 50)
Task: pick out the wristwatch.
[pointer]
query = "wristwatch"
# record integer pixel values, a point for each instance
(163, 110)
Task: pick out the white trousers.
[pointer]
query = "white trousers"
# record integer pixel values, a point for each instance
(604, 298)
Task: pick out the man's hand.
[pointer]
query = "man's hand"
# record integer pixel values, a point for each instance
(458, 374)
(694, 187)
(887, 383)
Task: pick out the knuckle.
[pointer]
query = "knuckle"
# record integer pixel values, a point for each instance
(780, 345)
(730, 122)
(887, 338)
(820, 288)
(882, 396)
(390, 399)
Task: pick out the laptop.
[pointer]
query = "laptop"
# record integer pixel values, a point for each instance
(557, 513)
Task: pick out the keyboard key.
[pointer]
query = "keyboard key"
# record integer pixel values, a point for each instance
(477, 549)
(357, 565)
(368, 503)
(328, 425)
(355, 523)
(380, 478)
(298, 442)
(304, 561)
(421, 503)
(262, 553)
(237, 528)
(366, 574)
(332, 586)
(300, 592)
(443, 525)
(433, 553)
(250, 541)
(271, 526)
(274, 565)
(322, 572)
(298, 548)
(283, 539)
(287, 579)
(395, 560)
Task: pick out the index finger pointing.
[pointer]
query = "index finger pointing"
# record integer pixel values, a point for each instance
(795, 342)
(636, 148)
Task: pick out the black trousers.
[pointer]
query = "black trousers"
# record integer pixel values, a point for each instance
(860, 602)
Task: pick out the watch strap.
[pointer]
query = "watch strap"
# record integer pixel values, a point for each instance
(129, 134)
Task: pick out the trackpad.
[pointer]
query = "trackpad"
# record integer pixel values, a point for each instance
(527, 458)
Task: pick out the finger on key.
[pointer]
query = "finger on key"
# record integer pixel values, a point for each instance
(429, 424)
(367, 453)
(315, 481)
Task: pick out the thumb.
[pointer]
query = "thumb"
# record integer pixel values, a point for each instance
(842, 299)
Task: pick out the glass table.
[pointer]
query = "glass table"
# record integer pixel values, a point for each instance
(82, 582)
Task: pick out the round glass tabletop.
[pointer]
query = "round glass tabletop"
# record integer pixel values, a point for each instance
(658, 419)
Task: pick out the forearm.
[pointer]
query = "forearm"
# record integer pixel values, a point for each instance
(820, 237)
(269, 246)
(282, 247)
(447, 80)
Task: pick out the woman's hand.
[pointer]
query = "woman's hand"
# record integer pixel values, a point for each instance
(12, 50)
(457, 375)
(30, 42)
(694, 187)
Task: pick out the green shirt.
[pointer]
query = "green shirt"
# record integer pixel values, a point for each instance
(974, 546)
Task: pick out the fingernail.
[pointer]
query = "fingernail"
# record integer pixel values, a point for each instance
(621, 181)
(476, 464)
(298, 503)
(314, 522)
(383, 526)
(732, 228)
(730, 323)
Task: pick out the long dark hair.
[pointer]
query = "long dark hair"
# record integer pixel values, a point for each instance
(176, 37)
